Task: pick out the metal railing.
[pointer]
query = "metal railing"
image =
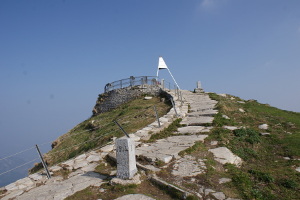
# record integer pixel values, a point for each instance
(132, 81)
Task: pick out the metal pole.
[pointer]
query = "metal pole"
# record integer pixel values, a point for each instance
(121, 128)
(181, 98)
(172, 101)
(178, 93)
(157, 116)
(43, 162)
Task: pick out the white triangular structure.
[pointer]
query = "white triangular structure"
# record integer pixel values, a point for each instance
(163, 65)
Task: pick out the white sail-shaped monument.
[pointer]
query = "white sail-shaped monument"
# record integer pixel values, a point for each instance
(163, 65)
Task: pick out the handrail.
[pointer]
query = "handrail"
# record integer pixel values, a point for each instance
(132, 81)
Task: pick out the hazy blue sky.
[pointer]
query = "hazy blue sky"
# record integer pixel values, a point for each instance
(56, 56)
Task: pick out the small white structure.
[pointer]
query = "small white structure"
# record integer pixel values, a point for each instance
(126, 163)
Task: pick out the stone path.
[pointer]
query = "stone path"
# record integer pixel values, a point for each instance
(196, 110)
(167, 149)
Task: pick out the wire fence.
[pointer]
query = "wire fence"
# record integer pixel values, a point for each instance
(71, 147)
(132, 81)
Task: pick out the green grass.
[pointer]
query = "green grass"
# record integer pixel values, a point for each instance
(264, 173)
(100, 129)
(198, 146)
(166, 132)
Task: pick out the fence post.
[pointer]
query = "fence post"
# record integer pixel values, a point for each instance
(181, 98)
(173, 103)
(157, 116)
(43, 162)
(121, 128)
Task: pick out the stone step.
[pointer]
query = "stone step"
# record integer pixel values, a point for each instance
(209, 113)
(197, 121)
(193, 129)
(168, 148)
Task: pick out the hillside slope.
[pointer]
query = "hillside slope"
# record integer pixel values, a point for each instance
(221, 147)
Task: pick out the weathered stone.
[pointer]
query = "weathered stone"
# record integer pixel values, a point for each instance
(191, 129)
(219, 195)
(68, 164)
(224, 180)
(241, 110)
(134, 180)
(214, 143)
(13, 194)
(263, 126)
(188, 166)
(55, 168)
(147, 98)
(225, 116)
(298, 169)
(169, 147)
(108, 148)
(224, 155)
(265, 133)
(11, 187)
(80, 163)
(90, 167)
(81, 157)
(94, 158)
(223, 95)
(61, 190)
(134, 137)
(208, 191)
(230, 127)
(126, 164)
(134, 197)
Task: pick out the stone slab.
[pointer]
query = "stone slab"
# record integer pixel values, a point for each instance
(224, 155)
(62, 189)
(134, 197)
(165, 149)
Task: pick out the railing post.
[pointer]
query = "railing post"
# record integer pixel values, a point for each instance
(173, 103)
(122, 129)
(181, 98)
(163, 83)
(157, 117)
(43, 162)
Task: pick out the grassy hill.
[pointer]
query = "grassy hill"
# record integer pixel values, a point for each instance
(100, 129)
(270, 160)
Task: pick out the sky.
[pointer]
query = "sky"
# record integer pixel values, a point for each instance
(56, 56)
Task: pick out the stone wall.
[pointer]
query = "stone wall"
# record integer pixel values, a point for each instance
(112, 99)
